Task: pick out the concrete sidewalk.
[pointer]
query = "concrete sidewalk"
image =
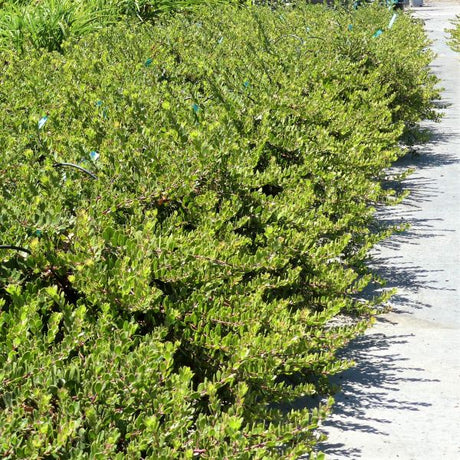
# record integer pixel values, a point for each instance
(402, 401)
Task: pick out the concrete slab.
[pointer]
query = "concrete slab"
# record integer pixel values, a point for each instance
(402, 401)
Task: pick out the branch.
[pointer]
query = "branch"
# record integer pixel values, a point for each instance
(58, 165)
(15, 248)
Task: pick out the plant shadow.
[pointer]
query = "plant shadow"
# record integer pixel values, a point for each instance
(373, 384)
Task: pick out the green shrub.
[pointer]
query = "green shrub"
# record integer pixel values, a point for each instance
(181, 282)
(455, 34)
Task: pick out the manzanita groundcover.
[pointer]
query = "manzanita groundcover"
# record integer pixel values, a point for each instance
(184, 211)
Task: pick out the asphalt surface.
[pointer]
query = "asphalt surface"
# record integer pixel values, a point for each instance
(402, 400)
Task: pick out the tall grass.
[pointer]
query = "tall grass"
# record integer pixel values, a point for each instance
(49, 23)
(46, 24)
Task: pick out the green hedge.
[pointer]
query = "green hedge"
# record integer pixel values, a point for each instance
(185, 279)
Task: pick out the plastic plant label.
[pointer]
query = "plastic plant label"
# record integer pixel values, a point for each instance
(94, 155)
(246, 84)
(196, 108)
(350, 27)
(391, 4)
(42, 122)
(148, 62)
(378, 33)
(104, 111)
(392, 21)
(221, 39)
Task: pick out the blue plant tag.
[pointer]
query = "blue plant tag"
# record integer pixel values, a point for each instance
(148, 62)
(392, 21)
(246, 84)
(38, 233)
(42, 122)
(350, 27)
(378, 33)
(94, 155)
(196, 108)
(99, 103)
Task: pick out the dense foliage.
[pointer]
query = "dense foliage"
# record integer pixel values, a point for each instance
(185, 211)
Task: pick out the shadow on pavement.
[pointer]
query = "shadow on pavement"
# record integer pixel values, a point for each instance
(371, 385)
(407, 278)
